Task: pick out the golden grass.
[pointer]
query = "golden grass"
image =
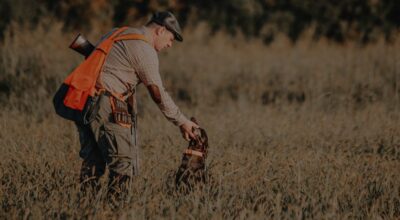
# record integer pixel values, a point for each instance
(305, 131)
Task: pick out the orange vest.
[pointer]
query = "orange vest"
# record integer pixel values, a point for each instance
(82, 80)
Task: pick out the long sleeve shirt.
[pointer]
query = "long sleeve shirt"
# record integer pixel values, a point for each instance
(131, 62)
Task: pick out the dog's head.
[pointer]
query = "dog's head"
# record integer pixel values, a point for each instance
(200, 143)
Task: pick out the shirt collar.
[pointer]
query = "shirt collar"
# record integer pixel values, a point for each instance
(147, 34)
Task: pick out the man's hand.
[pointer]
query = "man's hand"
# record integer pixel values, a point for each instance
(187, 130)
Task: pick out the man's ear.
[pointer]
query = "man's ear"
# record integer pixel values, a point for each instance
(160, 30)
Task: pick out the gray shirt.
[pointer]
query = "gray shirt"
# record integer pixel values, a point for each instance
(131, 62)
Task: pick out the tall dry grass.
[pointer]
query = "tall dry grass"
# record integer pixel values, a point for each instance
(306, 131)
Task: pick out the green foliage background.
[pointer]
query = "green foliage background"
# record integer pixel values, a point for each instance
(360, 20)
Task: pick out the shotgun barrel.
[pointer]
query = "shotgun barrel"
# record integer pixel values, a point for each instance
(81, 45)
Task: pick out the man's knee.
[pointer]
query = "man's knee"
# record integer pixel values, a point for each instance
(92, 169)
(93, 165)
(121, 166)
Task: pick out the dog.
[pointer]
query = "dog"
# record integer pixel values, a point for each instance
(193, 166)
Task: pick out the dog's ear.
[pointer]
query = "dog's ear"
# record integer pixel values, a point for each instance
(204, 137)
(193, 119)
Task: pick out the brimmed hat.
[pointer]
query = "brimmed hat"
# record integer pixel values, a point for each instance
(168, 20)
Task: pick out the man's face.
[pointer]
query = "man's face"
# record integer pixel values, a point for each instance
(163, 39)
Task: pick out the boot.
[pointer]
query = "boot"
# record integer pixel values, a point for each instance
(118, 190)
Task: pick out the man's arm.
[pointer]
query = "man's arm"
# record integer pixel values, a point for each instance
(186, 127)
(147, 67)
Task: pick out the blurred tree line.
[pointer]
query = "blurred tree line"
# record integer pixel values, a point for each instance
(359, 20)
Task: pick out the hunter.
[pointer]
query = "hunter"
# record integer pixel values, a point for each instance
(110, 139)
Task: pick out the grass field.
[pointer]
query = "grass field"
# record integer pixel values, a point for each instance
(305, 131)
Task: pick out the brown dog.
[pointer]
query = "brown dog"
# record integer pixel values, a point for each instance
(192, 169)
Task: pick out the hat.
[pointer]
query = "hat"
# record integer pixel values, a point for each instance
(168, 20)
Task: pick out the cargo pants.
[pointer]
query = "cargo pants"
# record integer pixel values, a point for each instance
(105, 144)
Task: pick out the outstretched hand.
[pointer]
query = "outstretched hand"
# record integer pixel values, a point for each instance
(187, 130)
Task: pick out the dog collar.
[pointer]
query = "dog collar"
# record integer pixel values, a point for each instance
(193, 152)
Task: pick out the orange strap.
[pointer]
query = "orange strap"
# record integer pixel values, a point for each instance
(193, 152)
(131, 37)
(83, 79)
(106, 45)
(119, 38)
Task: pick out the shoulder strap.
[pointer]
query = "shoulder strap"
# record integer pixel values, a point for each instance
(131, 37)
(113, 38)
(117, 32)
(106, 45)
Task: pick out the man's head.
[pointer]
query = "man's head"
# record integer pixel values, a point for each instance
(165, 29)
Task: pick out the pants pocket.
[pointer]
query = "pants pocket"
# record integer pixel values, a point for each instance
(115, 142)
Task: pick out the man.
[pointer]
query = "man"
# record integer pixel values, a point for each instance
(107, 143)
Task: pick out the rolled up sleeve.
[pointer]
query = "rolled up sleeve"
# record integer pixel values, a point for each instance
(147, 68)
